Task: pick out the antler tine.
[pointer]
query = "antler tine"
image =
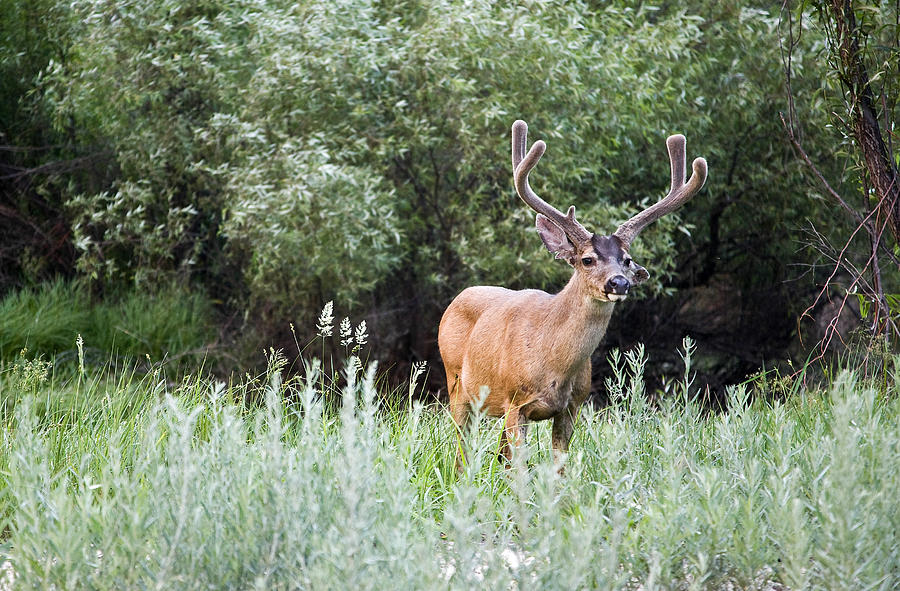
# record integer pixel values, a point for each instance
(677, 146)
(519, 142)
(522, 165)
(679, 191)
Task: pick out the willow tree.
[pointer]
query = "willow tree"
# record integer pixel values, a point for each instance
(861, 86)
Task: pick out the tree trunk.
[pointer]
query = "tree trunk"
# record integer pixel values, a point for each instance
(864, 117)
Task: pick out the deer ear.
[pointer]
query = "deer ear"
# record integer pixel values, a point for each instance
(555, 239)
(640, 274)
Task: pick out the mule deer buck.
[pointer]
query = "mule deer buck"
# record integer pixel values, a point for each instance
(531, 349)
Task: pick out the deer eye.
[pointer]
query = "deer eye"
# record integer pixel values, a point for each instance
(587, 261)
(628, 262)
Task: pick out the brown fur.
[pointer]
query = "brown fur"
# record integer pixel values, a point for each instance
(532, 350)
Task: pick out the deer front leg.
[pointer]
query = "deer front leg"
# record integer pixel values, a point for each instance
(563, 425)
(514, 431)
(564, 422)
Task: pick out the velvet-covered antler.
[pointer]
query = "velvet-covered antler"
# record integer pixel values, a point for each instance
(522, 165)
(679, 191)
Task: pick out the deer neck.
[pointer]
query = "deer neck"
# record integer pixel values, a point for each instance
(579, 321)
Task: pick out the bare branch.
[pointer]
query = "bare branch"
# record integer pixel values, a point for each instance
(834, 194)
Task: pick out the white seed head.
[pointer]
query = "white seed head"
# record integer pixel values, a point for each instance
(325, 325)
(346, 332)
(361, 334)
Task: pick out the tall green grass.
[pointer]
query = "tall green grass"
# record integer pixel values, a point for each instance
(120, 480)
(130, 325)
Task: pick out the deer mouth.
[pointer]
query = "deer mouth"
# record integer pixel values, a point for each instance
(609, 296)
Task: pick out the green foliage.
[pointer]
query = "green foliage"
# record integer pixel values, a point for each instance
(110, 482)
(856, 46)
(396, 118)
(45, 320)
(135, 324)
(37, 162)
(761, 196)
(169, 322)
(878, 34)
(281, 155)
(429, 100)
(144, 79)
(305, 223)
(32, 35)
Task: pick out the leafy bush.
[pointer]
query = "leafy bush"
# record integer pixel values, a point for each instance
(281, 155)
(398, 115)
(301, 220)
(142, 79)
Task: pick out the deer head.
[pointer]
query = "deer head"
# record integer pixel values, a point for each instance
(602, 261)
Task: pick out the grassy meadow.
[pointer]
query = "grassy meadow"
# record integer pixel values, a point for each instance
(180, 182)
(114, 478)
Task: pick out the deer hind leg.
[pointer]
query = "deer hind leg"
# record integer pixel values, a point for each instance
(563, 426)
(459, 410)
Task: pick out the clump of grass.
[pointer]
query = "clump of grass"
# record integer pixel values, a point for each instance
(44, 320)
(165, 323)
(169, 322)
(137, 482)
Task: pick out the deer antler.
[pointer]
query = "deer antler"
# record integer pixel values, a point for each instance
(679, 192)
(522, 165)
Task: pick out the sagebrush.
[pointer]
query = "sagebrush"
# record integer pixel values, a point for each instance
(137, 482)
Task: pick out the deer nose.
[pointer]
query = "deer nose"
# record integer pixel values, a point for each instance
(618, 285)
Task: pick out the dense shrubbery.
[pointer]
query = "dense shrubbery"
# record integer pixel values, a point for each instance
(282, 155)
(220, 112)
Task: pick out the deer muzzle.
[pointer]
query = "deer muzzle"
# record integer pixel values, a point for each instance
(618, 286)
